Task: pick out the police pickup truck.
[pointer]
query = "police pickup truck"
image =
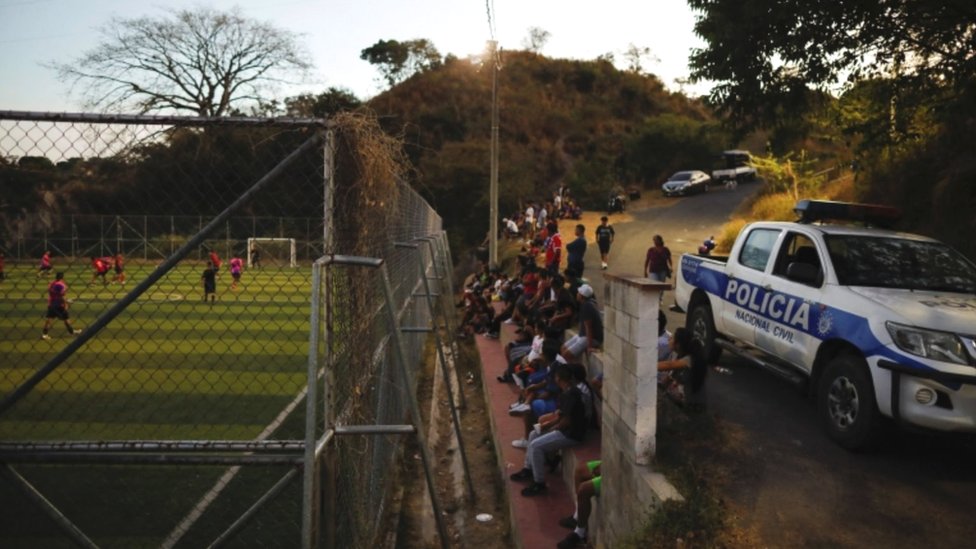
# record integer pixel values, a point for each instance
(873, 323)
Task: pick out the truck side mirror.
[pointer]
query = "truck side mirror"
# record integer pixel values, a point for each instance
(803, 273)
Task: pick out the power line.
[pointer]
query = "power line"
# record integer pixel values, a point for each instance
(490, 8)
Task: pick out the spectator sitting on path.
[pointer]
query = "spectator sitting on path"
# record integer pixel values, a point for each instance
(587, 480)
(564, 428)
(687, 371)
(590, 334)
(510, 229)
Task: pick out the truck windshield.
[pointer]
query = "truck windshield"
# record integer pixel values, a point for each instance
(890, 262)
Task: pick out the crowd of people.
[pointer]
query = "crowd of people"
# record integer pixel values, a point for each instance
(556, 397)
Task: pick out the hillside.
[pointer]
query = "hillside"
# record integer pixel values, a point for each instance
(580, 123)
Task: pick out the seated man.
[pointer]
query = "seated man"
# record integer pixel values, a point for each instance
(563, 428)
(590, 334)
(587, 480)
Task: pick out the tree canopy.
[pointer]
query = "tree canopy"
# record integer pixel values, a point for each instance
(397, 60)
(765, 55)
(200, 61)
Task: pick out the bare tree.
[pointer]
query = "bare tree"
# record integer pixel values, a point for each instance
(536, 39)
(202, 61)
(636, 56)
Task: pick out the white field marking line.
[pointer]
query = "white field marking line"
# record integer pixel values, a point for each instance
(184, 526)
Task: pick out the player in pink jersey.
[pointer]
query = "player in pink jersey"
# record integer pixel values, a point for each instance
(236, 266)
(57, 306)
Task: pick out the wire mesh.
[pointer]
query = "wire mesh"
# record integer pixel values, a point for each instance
(368, 386)
(111, 199)
(177, 417)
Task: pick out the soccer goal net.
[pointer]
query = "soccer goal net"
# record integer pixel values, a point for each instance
(274, 252)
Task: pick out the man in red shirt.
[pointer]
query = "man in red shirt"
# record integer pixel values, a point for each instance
(57, 306)
(554, 248)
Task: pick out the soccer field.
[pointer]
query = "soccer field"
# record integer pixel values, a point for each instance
(169, 367)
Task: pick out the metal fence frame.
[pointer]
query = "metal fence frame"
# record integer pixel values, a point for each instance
(310, 459)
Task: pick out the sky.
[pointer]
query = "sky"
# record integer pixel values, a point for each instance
(33, 32)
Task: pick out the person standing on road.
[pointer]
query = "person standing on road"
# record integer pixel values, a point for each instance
(554, 248)
(576, 250)
(657, 265)
(57, 306)
(604, 238)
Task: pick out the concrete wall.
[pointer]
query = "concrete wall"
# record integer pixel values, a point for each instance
(629, 418)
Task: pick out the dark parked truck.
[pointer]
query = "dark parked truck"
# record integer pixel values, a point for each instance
(874, 323)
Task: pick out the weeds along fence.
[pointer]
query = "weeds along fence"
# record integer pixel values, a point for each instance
(189, 396)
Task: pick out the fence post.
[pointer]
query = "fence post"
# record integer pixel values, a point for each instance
(447, 306)
(444, 366)
(415, 416)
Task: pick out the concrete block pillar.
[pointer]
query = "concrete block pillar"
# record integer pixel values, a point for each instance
(629, 419)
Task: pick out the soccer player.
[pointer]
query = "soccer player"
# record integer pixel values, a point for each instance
(215, 260)
(45, 263)
(100, 268)
(57, 306)
(255, 258)
(119, 269)
(209, 279)
(236, 265)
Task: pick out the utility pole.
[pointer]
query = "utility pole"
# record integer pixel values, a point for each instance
(493, 191)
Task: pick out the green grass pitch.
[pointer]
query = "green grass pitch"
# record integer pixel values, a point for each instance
(170, 367)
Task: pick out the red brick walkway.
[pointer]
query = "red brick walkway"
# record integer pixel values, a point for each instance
(534, 519)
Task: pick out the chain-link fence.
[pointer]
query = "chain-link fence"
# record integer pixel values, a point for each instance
(158, 347)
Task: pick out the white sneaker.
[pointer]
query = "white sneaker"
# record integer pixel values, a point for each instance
(45, 336)
(520, 409)
(76, 332)
(513, 405)
(509, 321)
(520, 443)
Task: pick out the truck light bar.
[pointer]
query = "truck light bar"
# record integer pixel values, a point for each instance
(811, 211)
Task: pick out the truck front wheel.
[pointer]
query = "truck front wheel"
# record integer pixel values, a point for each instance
(702, 328)
(846, 403)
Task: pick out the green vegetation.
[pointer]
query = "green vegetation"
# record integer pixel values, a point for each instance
(171, 367)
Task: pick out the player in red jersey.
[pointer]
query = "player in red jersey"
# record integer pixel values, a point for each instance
(57, 306)
(45, 264)
(119, 262)
(215, 260)
(100, 268)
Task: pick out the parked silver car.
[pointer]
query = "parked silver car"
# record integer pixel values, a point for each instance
(687, 182)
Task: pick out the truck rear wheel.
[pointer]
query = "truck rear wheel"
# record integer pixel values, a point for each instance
(702, 328)
(846, 403)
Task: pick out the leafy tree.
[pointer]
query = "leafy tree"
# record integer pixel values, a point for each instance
(536, 40)
(397, 61)
(328, 103)
(202, 62)
(766, 54)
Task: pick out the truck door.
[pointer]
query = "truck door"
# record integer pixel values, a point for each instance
(794, 307)
(737, 318)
